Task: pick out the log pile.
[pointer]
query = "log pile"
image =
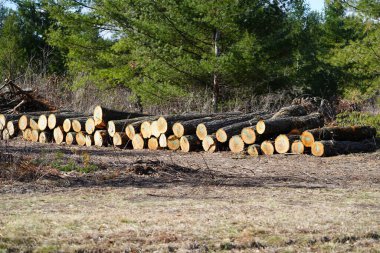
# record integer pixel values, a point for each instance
(291, 130)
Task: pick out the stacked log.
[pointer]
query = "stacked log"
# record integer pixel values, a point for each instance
(290, 130)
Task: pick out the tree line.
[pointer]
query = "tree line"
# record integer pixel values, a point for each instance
(163, 50)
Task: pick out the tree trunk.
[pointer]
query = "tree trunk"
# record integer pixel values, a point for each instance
(190, 143)
(103, 115)
(57, 119)
(290, 111)
(332, 148)
(273, 127)
(215, 90)
(354, 133)
(210, 127)
(120, 139)
(77, 125)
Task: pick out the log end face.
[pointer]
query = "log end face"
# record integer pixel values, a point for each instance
(52, 121)
(130, 131)
(236, 144)
(207, 143)
(282, 144)
(111, 128)
(248, 135)
(184, 143)
(307, 139)
(80, 138)
(58, 135)
(42, 122)
(178, 129)
(98, 115)
(173, 142)
(253, 150)
(221, 135)
(154, 129)
(267, 148)
(145, 130)
(90, 126)
(260, 127)
(201, 131)
(3, 120)
(153, 143)
(318, 149)
(162, 125)
(23, 122)
(162, 141)
(138, 142)
(66, 125)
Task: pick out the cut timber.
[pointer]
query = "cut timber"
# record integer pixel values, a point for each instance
(248, 135)
(70, 138)
(66, 125)
(120, 139)
(27, 134)
(89, 140)
(42, 122)
(55, 120)
(138, 142)
(162, 141)
(354, 133)
(45, 137)
(210, 127)
(272, 127)
(145, 130)
(153, 143)
(5, 135)
(173, 142)
(290, 111)
(209, 143)
(225, 133)
(132, 129)
(78, 125)
(90, 126)
(35, 135)
(154, 129)
(12, 127)
(298, 147)
(115, 126)
(59, 135)
(282, 144)
(236, 144)
(100, 138)
(254, 150)
(190, 143)
(25, 121)
(103, 115)
(267, 147)
(332, 148)
(80, 137)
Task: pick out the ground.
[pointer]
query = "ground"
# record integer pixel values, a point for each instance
(59, 198)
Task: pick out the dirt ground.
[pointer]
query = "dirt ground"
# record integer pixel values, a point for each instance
(59, 198)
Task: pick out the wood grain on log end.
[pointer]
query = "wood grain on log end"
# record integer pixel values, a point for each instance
(201, 131)
(100, 138)
(307, 139)
(45, 137)
(248, 135)
(138, 142)
(120, 139)
(76, 125)
(209, 143)
(130, 131)
(58, 134)
(42, 122)
(23, 122)
(298, 147)
(154, 129)
(221, 135)
(90, 126)
(89, 140)
(162, 141)
(145, 130)
(173, 142)
(162, 125)
(80, 137)
(267, 147)
(70, 138)
(66, 125)
(282, 144)
(178, 129)
(153, 143)
(254, 150)
(236, 144)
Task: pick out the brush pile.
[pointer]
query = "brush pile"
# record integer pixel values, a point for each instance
(290, 130)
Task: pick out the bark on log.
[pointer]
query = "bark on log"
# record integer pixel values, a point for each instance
(354, 133)
(70, 138)
(102, 115)
(59, 135)
(332, 148)
(101, 138)
(267, 147)
(45, 137)
(254, 150)
(290, 111)
(236, 144)
(208, 128)
(273, 127)
(120, 139)
(12, 127)
(190, 143)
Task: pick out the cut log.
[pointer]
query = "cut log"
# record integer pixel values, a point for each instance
(5, 135)
(298, 147)
(12, 127)
(59, 135)
(162, 141)
(132, 129)
(26, 121)
(190, 143)
(115, 126)
(89, 140)
(3, 120)
(354, 133)
(273, 127)
(145, 130)
(267, 147)
(101, 138)
(90, 126)
(173, 142)
(209, 143)
(80, 137)
(103, 115)
(153, 143)
(282, 144)
(290, 111)
(35, 135)
(207, 128)
(138, 142)
(66, 125)
(248, 135)
(332, 148)
(254, 150)
(42, 122)
(45, 137)
(78, 125)
(55, 120)
(26, 134)
(120, 139)
(70, 138)
(236, 144)
(154, 129)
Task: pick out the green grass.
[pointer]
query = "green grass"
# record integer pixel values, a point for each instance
(68, 164)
